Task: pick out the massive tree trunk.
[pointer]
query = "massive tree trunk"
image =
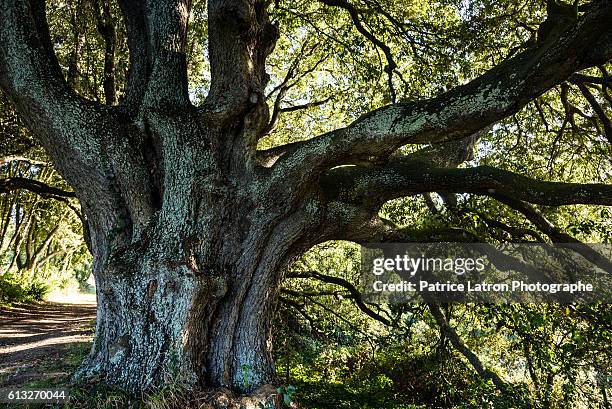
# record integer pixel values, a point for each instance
(186, 293)
(192, 298)
(191, 227)
(196, 311)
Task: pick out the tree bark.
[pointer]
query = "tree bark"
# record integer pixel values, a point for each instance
(197, 310)
(159, 323)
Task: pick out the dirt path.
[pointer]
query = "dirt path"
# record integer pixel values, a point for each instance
(41, 345)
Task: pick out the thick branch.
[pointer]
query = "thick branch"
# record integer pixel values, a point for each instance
(133, 12)
(65, 124)
(240, 38)
(106, 29)
(371, 187)
(89, 143)
(167, 39)
(157, 35)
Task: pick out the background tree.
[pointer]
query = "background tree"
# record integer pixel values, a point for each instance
(192, 226)
(41, 241)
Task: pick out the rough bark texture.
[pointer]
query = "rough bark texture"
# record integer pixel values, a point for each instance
(191, 228)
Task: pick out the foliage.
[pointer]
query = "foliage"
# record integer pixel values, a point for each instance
(13, 290)
(338, 357)
(41, 242)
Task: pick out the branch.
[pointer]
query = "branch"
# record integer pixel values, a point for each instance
(134, 18)
(590, 79)
(106, 28)
(371, 187)
(40, 188)
(450, 154)
(383, 231)
(607, 124)
(450, 333)
(438, 316)
(307, 105)
(8, 159)
(516, 233)
(240, 39)
(554, 233)
(277, 110)
(355, 294)
(299, 308)
(268, 157)
(538, 220)
(67, 125)
(309, 294)
(498, 93)
(166, 22)
(29, 70)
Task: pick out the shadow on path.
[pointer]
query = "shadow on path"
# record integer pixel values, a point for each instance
(42, 344)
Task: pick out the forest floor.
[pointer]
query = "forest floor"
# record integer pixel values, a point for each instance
(42, 344)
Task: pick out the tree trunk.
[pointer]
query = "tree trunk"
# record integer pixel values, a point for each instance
(165, 317)
(189, 233)
(189, 297)
(159, 323)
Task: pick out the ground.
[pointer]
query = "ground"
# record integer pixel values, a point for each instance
(42, 344)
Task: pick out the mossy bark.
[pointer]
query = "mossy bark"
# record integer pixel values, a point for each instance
(160, 323)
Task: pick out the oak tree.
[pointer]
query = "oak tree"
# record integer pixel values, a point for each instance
(191, 226)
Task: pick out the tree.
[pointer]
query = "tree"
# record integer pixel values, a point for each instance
(191, 226)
